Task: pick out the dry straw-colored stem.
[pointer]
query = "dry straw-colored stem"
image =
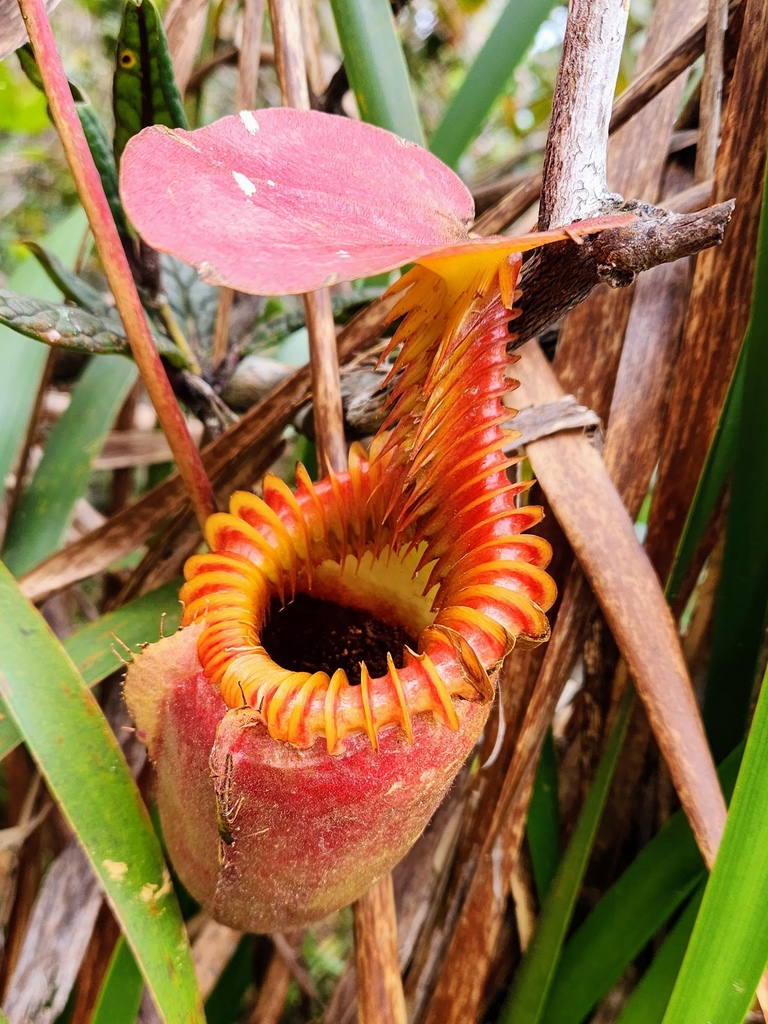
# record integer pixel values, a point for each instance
(245, 99)
(380, 990)
(323, 358)
(113, 259)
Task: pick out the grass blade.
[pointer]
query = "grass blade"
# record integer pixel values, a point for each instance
(121, 991)
(543, 823)
(716, 468)
(527, 999)
(72, 744)
(47, 505)
(630, 913)
(728, 950)
(23, 363)
(375, 66)
(506, 45)
(649, 1000)
(738, 635)
(92, 648)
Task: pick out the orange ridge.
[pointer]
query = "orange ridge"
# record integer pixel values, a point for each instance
(436, 481)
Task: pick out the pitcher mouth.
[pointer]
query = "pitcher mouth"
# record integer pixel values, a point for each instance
(395, 588)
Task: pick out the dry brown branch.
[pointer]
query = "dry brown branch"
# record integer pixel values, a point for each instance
(722, 290)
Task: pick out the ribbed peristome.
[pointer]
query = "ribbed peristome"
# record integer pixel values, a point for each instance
(422, 532)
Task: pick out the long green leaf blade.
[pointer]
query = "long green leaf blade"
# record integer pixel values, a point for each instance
(630, 913)
(728, 950)
(23, 363)
(741, 610)
(649, 1000)
(120, 995)
(716, 469)
(542, 827)
(375, 66)
(47, 505)
(78, 756)
(93, 647)
(527, 999)
(504, 49)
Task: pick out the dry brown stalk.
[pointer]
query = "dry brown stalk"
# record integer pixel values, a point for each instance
(720, 301)
(245, 99)
(184, 22)
(380, 990)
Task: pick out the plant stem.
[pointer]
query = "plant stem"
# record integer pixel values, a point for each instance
(574, 184)
(113, 259)
(323, 357)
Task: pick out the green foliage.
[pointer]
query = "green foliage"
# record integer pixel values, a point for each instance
(69, 738)
(741, 611)
(527, 998)
(503, 50)
(718, 978)
(47, 505)
(144, 89)
(375, 66)
(23, 363)
(22, 108)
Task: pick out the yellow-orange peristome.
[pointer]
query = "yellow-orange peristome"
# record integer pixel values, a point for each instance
(422, 532)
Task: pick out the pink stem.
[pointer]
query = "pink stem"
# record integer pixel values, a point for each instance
(113, 258)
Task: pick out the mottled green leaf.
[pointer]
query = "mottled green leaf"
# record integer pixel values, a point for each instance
(74, 328)
(67, 281)
(144, 90)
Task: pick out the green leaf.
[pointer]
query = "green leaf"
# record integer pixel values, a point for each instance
(72, 286)
(718, 465)
(144, 90)
(193, 302)
(75, 329)
(22, 108)
(23, 364)
(69, 739)
(92, 648)
(527, 998)
(649, 1000)
(504, 49)
(95, 134)
(741, 608)
(375, 66)
(121, 991)
(47, 505)
(630, 913)
(543, 823)
(728, 950)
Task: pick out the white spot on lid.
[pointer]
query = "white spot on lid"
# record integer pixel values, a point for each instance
(270, 183)
(250, 122)
(343, 253)
(244, 183)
